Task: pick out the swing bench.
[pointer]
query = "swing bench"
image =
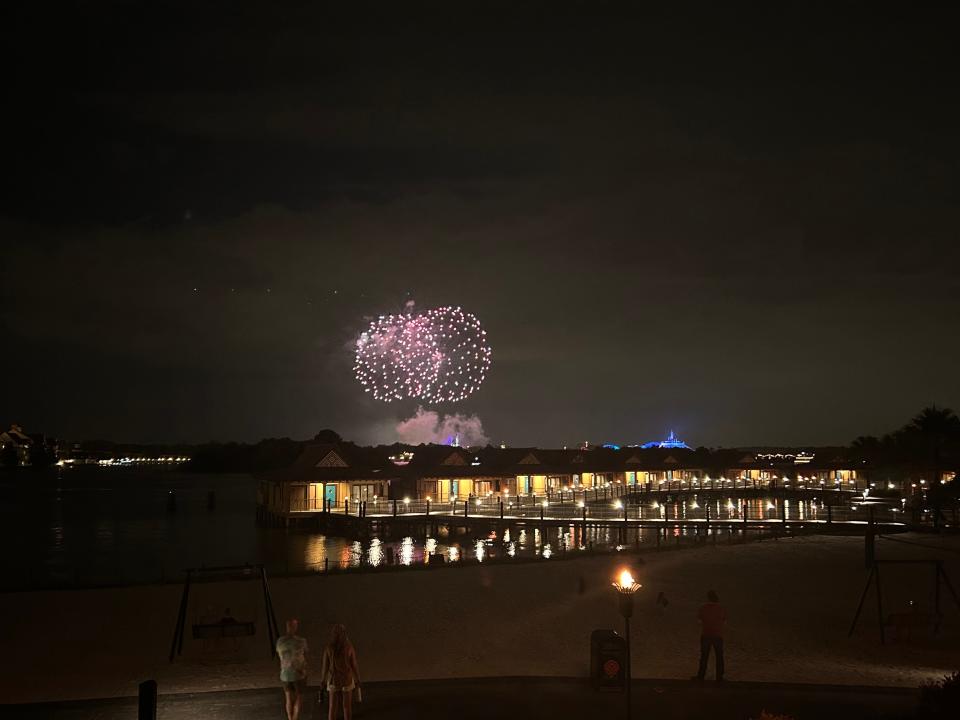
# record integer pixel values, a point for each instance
(218, 630)
(227, 626)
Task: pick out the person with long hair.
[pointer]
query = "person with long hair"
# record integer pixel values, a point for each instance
(340, 672)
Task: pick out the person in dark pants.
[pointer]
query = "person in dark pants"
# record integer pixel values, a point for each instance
(712, 617)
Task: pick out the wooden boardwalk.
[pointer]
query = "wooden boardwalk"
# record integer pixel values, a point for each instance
(728, 509)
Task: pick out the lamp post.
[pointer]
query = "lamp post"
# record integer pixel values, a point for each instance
(626, 586)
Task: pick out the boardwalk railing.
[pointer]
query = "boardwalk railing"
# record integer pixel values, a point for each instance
(626, 507)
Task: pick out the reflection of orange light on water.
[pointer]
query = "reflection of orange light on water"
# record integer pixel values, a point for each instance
(315, 551)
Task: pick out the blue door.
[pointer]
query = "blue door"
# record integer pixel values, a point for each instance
(330, 494)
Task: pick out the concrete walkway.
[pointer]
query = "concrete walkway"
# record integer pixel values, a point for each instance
(485, 698)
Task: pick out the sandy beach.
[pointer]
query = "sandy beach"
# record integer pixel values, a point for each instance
(790, 604)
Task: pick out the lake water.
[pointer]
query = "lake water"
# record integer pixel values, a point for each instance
(82, 527)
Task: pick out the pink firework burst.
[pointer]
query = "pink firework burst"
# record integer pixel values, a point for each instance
(437, 356)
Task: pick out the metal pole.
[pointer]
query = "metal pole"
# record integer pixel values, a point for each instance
(147, 700)
(626, 621)
(876, 572)
(176, 647)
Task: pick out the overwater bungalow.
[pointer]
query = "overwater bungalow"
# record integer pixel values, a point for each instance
(330, 477)
(325, 476)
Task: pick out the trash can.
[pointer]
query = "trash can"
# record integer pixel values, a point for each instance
(608, 661)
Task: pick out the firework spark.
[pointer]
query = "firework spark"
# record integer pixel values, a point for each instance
(437, 356)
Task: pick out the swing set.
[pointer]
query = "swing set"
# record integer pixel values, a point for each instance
(904, 621)
(208, 628)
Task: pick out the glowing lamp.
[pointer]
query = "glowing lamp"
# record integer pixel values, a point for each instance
(625, 583)
(626, 587)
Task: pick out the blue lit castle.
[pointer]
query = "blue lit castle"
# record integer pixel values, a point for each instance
(672, 441)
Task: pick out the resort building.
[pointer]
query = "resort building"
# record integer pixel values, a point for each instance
(15, 446)
(328, 476)
(325, 476)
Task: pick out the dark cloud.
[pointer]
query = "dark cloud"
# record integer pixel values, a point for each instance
(740, 227)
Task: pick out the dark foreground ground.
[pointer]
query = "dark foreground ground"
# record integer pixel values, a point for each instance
(466, 699)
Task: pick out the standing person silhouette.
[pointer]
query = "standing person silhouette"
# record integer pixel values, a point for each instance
(712, 617)
(292, 650)
(340, 672)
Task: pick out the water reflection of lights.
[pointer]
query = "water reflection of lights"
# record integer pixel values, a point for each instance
(479, 550)
(430, 545)
(350, 554)
(506, 535)
(547, 551)
(315, 551)
(406, 551)
(453, 552)
(511, 549)
(375, 553)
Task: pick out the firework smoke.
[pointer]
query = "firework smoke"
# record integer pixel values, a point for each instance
(426, 426)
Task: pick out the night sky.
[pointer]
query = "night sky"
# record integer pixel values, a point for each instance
(741, 227)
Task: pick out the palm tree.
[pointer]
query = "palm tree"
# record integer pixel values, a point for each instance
(936, 424)
(931, 433)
